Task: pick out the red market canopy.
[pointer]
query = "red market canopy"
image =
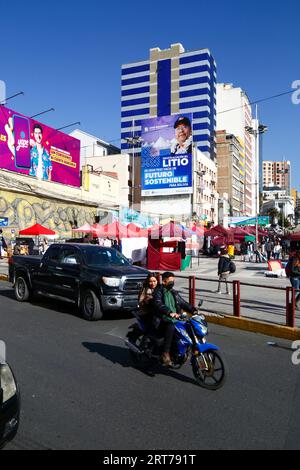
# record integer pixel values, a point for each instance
(37, 230)
(170, 230)
(117, 230)
(199, 231)
(217, 231)
(293, 237)
(86, 228)
(133, 231)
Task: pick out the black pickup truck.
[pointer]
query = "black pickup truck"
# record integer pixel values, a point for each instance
(97, 279)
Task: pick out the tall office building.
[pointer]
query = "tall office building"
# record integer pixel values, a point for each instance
(169, 82)
(234, 114)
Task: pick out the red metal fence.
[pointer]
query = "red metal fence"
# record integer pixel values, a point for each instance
(290, 303)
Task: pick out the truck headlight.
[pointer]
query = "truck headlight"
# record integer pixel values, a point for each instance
(111, 281)
(7, 383)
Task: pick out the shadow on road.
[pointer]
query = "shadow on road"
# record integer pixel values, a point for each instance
(119, 355)
(65, 307)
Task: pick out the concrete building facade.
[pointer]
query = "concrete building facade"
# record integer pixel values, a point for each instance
(231, 172)
(234, 114)
(277, 175)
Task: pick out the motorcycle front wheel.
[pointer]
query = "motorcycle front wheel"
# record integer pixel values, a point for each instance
(209, 370)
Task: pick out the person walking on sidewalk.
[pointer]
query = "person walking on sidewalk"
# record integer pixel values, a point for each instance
(294, 263)
(277, 250)
(269, 249)
(224, 270)
(3, 245)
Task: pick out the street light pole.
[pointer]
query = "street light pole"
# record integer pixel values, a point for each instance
(256, 132)
(134, 140)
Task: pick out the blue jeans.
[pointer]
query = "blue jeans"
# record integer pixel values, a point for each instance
(295, 281)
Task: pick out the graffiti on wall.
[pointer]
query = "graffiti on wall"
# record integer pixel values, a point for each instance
(24, 211)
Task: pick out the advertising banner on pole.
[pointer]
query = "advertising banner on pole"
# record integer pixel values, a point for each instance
(167, 155)
(30, 148)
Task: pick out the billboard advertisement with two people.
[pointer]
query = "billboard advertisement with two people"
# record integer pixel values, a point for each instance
(167, 155)
(33, 149)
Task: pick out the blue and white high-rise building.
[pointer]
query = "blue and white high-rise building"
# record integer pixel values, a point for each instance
(171, 81)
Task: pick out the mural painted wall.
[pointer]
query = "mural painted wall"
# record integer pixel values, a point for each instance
(25, 210)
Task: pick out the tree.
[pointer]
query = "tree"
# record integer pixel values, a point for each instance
(274, 214)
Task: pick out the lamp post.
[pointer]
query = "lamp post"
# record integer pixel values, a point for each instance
(133, 141)
(256, 132)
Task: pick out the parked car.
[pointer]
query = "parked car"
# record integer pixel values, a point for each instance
(97, 279)
(9, 404)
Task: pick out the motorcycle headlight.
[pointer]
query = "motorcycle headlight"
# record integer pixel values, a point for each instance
(111, 281)
(7, 383)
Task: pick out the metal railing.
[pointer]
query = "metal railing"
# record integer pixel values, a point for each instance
(290, 302)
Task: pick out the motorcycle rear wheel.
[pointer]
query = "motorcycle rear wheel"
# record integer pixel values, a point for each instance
(211, 377)
(142, 360)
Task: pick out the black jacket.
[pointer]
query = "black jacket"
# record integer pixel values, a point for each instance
(224, 265)
(162, 310)
(295, 270)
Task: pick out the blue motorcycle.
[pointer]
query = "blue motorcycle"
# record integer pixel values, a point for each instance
(145, 346)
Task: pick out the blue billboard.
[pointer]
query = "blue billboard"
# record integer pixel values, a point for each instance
(167, 155)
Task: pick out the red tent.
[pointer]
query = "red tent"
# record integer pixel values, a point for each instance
(37, 230)
(170, 230)
(117, 230)
(293, 237)
(86, 228)
(133, 231)
(217, 231)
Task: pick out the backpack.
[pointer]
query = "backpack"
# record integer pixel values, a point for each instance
(232, 267)
(288, 268)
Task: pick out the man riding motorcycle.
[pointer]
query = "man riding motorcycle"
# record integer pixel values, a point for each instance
(168, 305)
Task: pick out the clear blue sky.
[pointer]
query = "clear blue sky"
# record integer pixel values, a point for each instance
(68, 55)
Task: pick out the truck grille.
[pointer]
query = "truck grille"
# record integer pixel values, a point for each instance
(133, 284)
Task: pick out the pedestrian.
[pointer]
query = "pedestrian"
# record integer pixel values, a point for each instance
(250, 250)
(243, 251)
(294, 275)
(224, 270)
(3, 244)
(269, 249)
(277, 250)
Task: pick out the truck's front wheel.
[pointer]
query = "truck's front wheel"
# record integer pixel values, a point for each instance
(22, 291)
(90, 306)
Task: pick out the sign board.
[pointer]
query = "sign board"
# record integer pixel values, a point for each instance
(3, 221)
(248, 221)
(30, 148)
(167, 157)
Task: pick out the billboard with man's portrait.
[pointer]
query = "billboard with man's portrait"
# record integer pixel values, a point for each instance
(31, 148)
(167, 155)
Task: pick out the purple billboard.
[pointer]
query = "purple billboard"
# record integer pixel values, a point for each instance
(33, 149)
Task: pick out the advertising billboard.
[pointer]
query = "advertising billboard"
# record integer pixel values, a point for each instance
(167, 155)
(30, 148)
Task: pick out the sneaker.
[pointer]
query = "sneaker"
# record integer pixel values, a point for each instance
(228, 293)
(218, 292)
(165, 359)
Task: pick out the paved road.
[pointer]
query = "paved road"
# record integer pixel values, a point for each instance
(79, 390)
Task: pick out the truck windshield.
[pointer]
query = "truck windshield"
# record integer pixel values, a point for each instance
(98, 256)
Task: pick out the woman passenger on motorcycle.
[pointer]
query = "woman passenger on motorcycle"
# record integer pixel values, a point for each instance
(146, 299)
